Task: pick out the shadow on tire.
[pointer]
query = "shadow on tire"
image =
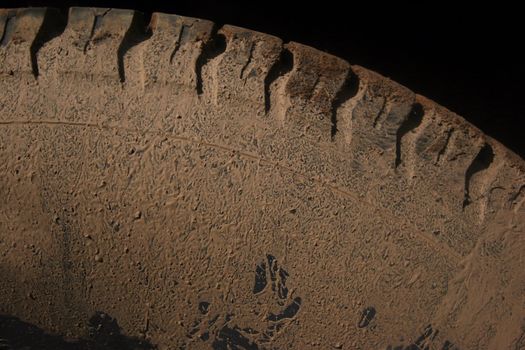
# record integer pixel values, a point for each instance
(104, 334)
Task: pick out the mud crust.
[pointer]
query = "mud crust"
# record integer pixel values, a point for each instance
(214, 186)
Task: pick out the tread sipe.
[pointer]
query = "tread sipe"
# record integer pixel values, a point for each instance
(215, 187)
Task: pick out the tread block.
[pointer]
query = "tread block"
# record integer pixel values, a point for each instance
(410, 124)
(91, 43)
(94, 26)
(20, 38)
(242, 69)
(171, 54)
(381, 110)
(312, 87)
(81, 24)
(6, 25)
(27, 24)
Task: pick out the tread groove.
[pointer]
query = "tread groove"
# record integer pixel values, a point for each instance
(177, 43)
(53, 25)
(250, 57)
(96, 24)
(412, 121)
(443, 149)
(517, 199)
(481, 162)
(211, 49)
(7, 30)
(281, 67)
(347, 91)
(380, 114)
(138, 32)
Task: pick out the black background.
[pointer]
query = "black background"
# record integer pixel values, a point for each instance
(469, 60)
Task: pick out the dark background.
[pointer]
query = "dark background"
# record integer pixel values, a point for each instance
(469, 60)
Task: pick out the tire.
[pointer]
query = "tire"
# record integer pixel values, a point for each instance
(215, 187)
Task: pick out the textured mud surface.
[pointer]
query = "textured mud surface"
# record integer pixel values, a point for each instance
(206, 187)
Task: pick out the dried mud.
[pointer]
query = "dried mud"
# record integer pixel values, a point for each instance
(188, 186)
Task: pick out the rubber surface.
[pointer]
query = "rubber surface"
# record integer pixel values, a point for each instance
(216, 187)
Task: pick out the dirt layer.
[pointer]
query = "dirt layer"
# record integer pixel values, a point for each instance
(213, 187)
